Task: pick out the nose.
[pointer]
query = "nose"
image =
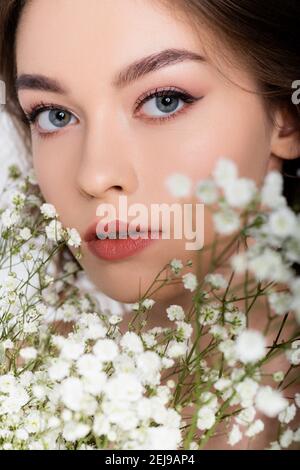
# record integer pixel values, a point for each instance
(107, 160)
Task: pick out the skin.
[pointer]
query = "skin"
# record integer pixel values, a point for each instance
(109, 150)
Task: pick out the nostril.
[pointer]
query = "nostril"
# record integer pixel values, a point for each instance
(118, 188)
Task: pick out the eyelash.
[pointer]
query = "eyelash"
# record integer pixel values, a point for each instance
(32, 115)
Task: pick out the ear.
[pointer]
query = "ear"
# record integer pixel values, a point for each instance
(285, 142)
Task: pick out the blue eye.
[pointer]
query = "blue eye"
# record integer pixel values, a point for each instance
(50, 118)
(163, 104)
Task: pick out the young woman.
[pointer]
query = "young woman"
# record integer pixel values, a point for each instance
(113, 97)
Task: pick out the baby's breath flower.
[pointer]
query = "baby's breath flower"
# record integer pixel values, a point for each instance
(207, 191)
(235, 435)
(255, 428)
(48, 211)
(25, 233)
(175, 312)
(190, 281)
(286, 438)
(278, 376)
(270, 401)
(217, 281)
(205, 418)
(288, 414)
(240, 192)
(250, 346)
(74, 238)
(282, 222)
(179, 185)
(224, 172)
(28, 353)
(176, 265)
(54, 231)
(226, 221)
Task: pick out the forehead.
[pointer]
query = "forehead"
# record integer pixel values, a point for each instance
(96, 34)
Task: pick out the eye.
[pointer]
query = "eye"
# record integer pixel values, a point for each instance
(164, 103)
(49, 118)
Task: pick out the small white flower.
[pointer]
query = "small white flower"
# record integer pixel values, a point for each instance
(74, 237)
(74, 431)
(270, 401)
(28, 353)
(48, 211)
(25, 233)
(9, 218)
(190, 281)
(205, 418)
(226, 221)
(246, 391)
(132, 342)
(271, 193)
(217, 281)
(246, 416)
(282, 222)
(239, 263)
(105, 349)
(250, 346)
(148, 303)
(225, 171)
(297, 399)
(278, 376)
(176, 265)
(240, 192)
(176, 349)
(286, 438)
(255, 428)
(235, 435)
(114, 319)
(209, 314)
(179, 185)
(72, 394)
(207, 191)
(175, 312)
(288, 414)
(54, 230)
(280, 302)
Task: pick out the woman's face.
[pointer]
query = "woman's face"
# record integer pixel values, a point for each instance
(115, 139)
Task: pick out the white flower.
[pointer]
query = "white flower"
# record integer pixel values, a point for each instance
(162, 438)
(297, 399)
(48, 211)
(9, 218)
(114, 319)
(288, 414)
(217, 281)
(278, 376)
(132, 342)
(235, 435)
(280, 302)
(207, 191)
(271, 192)
(209, 314)
(246, 391)
(205, 418)
(25, 233)
(179, 185)
(54, 230)
(255, 428)
(184, 329)
(226, 221)
(74, 237)
(72, 393)
(239, 263)
(148, 303)
(246, 416)
(227, 347)
(286, 438)
(270, 401)
(293, 354)
(190, 281)
(176, 265)
(71, 349)
(148, 366)
(74, 431)
(175, 312)
(176, 349)
(239, 192)
(224, 172)
(105, 349)
(59, 369)
(282, 222)
(250, 346)
(28, 353)
(269, 265)
(124, 387)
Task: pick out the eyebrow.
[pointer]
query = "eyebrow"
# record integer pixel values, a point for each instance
(131, 73)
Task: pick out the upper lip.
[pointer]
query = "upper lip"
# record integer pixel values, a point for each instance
(121, 226)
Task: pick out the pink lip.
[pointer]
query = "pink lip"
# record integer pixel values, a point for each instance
(116, 248)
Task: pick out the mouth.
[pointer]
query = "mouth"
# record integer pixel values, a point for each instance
(116, 240)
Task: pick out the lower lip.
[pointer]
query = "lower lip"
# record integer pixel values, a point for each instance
(115, 249)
